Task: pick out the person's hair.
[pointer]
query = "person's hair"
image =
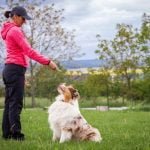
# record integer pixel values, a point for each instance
(8, 14)
(18, 11)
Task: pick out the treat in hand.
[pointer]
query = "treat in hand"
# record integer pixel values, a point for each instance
(53, 66)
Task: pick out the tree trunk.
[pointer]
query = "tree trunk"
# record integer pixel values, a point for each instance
(107, 88)
(129, 83)
(123, 99)
(130, 91)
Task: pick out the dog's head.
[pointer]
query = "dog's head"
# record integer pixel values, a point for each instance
(69, 92)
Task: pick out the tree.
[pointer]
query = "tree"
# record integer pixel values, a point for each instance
(144, 37)
(121, 54)
(47, 82)
(46, 34)
(2, 52)
(95, 85)
(144, 40)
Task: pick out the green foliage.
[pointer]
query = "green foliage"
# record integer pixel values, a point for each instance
(146, 89)
(93, 85)
(144, 40)
(46, 82)
(128, 51)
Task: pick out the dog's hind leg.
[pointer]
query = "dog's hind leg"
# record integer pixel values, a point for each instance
(66, 135)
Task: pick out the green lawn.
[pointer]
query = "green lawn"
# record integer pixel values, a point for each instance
(121, 130)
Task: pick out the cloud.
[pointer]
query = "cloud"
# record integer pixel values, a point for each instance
(91, 17)
(128, 5)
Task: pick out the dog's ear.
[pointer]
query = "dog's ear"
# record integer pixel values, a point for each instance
(67, 95)
(74, 92)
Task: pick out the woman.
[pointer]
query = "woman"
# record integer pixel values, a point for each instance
(18, 52)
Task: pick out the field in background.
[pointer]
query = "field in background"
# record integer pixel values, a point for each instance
(121, 130)
(86, 103)
(40, 102)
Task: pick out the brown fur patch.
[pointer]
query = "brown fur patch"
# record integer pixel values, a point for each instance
(77, 129)
(67, 129)
(90, 135)
(67, 95)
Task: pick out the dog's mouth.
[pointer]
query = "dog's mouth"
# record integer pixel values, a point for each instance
(61, 88)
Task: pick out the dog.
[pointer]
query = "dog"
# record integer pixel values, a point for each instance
(65, 119)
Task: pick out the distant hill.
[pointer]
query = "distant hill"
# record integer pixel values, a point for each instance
(74, 64)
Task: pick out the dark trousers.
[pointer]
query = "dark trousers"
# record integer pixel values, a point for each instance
(13, 77)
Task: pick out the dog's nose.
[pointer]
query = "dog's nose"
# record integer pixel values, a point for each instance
(62, 85)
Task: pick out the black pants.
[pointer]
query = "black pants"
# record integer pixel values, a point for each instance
(13, 77)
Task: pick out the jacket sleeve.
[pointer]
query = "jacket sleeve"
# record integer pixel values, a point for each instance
(22, 42)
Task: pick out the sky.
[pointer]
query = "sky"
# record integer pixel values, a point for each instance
(92, 17)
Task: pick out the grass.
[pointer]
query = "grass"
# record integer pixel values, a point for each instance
(121, 130)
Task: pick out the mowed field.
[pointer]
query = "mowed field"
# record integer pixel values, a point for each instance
(120, 130)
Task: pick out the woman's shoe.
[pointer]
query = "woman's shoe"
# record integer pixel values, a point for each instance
(7, 137)
(18, 136)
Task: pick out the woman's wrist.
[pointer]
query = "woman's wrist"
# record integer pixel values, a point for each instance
(49, 62)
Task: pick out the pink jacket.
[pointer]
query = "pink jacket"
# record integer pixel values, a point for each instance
(18, 48)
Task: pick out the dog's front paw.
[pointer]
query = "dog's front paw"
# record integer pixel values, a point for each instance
(55, 138)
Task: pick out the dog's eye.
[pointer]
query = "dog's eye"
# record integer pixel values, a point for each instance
(76, 90)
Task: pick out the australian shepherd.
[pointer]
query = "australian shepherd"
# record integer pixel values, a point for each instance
(65, 119)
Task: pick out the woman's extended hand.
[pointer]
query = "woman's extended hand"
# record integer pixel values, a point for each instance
(53, 66)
